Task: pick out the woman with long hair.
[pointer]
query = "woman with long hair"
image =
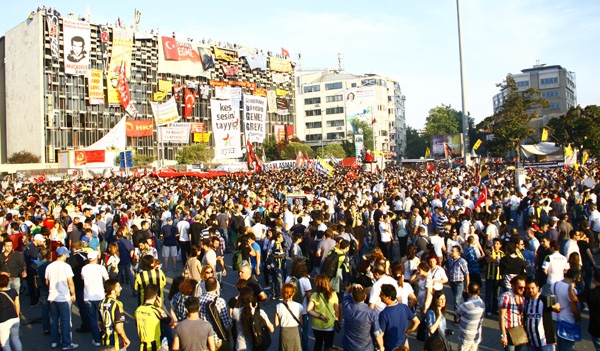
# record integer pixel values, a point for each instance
(425, 285)
(386, 237)
(58, 233)
(325, 310)
(10, 309)
(206, 272)
(402, 234)
(435, 319)
(288, 314)
(410, 264)
(112, 262)
(407, 294)
(243, 319)
(193, 265)
(186, 290)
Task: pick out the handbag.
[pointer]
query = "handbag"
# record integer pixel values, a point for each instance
(294, 316)
(569, 331)
(518, 335)
(337, 326)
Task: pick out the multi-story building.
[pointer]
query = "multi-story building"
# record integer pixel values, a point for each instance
(556, 83)
(396, 111)
(45, 108)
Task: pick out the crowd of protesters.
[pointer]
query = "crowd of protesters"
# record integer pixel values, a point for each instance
(369, 256)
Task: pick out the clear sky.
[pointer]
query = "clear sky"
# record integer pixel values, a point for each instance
(414, 42)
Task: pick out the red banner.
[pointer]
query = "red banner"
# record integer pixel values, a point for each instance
(137, 129)
(190, 99)
(289, 130)
(170, 48)
(80, 158)
(197, 127)
(237, 83)
(95, 156)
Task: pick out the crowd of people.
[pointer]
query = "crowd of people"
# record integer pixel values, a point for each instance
(369, 257)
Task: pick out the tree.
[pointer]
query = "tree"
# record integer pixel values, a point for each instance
(578, 127)
(291, 150)
(335, 150)
(270, 147)
(510, 125)
(24, 157)
(193, 154)
(442, 120)
(415, 144)
(140, 160)
(364, 128)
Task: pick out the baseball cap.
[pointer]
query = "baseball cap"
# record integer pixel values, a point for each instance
(85, 239)
(39, 237)
(62, 251)
(92, 255)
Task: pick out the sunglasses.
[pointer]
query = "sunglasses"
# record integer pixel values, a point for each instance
(209, 272)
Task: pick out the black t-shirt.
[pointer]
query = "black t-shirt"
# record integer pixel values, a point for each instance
(592, 298)
(255, 286)
(583, 247)
(7, 308)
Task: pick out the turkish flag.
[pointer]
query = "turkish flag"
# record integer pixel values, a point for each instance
(482, 198)
(430, 167)
(80, 158)
(94, 156)
(170, 49)
(351, 175)
(190, 99)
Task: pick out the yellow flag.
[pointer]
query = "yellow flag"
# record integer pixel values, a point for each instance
(427, 153)
(569, 151)
(477, 144)
(584, 157)
(159, 96)
(281, 92)
(164, 85)
(545, 134)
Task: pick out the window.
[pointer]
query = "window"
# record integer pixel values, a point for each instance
(550, 94)
(332, 86)
(312, 88)
(523, 84)
(310, 101)
(314, 137)
(554, 105)
(334, 110)
(335, 136)
(311, 125)
(353, 85)
(549, 80)
(334, 98)
(336, 123)
(313, 113)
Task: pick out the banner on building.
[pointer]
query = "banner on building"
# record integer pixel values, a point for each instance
(124, 95)
(279, 131)
(204, 91)
(122, 45)
(230, 71)
(165, 113)
(165, 85)
(289, 130)
(189, 98)
(159, 95)
(360, 104)
(256, 61)
(197, 127)
(104, 47)
(282, 106)
(52, 22)
(225, 55)
(180, 57)
(281, 92)
(76, 38)
(82, 157)
(451, 144)
(176, 133)
(208, 60)
(280, 77)
(359, 141)
(280, 65)
(95, 91)
(226, 128)
(260, 92)
(271, 101)
(255, 117)
(202, 137)
(138, 128)
(235, 83)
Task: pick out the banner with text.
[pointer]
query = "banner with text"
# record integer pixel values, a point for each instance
(95, 91)
(122, 45)
(138, 128)
(226, 129)
(280, 65)
(180, 57)
(225, 55)
(165, 113)
(256, 61)
(360, 103)
(197, 127)
(52, 22)
(76, 38)
(279, 131)
(202, 137)
(177, 133)
(255, 117)
(271, 101)
(282, 106)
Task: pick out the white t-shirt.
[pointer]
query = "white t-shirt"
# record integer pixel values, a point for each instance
(210, 258)
(57, 274)
(285, 318)
(305, 287)
(437, 242)
(405, 290)
(183, 227)
(376, 290)
(556, 265)
(93, 276)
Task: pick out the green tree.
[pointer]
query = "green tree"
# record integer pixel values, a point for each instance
(415, 144)
(510, 125)
(193, 154)
(140, 160)
(270, 147)
(364, 128)
(291, 150)
(578, 127)
(24, 157)
(442, 120)
(332, 149)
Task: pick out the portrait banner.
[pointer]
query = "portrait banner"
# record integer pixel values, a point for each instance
(76, 37)
(165, 113)
(360, 103)
(271, 101)
(208, 60)
(226, 129)
(282, 106)
(255, 117)
(122, 45)
(280, 65)
(95, 91)
(138, 128)
(279, 131)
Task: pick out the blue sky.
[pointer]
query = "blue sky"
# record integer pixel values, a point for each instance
(414, 42)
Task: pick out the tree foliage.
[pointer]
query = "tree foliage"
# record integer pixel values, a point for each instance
(510, 125)
(446, 120)
(415, 144)
(193, 154)
(290, 150)
(335, 150)
(364, 128)
(270, 147)
(140, 160)
(578, 127)
(24, 157)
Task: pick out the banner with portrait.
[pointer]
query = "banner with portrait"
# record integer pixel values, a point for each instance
(255, 117)
(180, 57)
(122, 45)
(95, 91)
(447, 143)
(360, 104)
(165, 113)
(282, 106)
(279, 131)
(226, 128)
(76, 38)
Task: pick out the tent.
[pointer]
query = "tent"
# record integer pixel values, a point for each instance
(549, 152)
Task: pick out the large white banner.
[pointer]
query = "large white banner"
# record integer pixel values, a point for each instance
(76, 36)
(255, 117)
(178, 133)
(165, 113)
(360, 104)
(226, 128)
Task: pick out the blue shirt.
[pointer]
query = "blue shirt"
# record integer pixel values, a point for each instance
(393, 321)
(471, 257)
(360, 325)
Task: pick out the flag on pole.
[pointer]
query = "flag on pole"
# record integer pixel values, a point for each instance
(484, 172)
(544, 134)
(477, 144)
(584, 157)
(427, 153)
(335, 161)
(136, 16)
(88, 14)
(300, 159)
(264, 159)
(249, 155)
(324, 167)
(285, 53)
(373, 121)
(123, 89)
(482, 198)
(569, 151)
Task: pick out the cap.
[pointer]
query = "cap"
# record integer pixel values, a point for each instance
(85, 239)
(62, 251)
(39, 237)
(92, 255)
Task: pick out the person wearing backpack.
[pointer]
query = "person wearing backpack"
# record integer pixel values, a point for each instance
(251, 323)
(278, 253)
(299, 279)
(287, 314)
(325, 310)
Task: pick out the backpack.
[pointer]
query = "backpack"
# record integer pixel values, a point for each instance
(261, 337)
(138, 237)
(236, 260)
(215, 317)
(353, 248)
(331, 263)
(298, 296)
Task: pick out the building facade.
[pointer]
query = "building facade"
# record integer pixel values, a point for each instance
(44, 109)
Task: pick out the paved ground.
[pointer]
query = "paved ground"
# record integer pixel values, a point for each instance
(33, 339)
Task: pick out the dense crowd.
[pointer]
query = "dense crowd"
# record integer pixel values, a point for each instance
(368, 255)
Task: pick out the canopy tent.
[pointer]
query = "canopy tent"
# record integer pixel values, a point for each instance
(548, 151)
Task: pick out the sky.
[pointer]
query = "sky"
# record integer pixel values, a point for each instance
(412, 42)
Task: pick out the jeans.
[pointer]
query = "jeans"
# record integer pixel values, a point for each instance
(305, 327)
(457, 290)
(510, 347)
(9, 333)
(468, 347)
(85, 321)
(564, 344)
(126, 276)
(45, 310)
(596, 342)
(15, 284)
(92, 313)
(277, 282)
(323, 337)
(61, 313)
(185, 250)
(403, 242)
(491, 295)
(34, 293)
(541, 348)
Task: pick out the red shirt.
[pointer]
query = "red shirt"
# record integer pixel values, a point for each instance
(49, 223)
(17, 241)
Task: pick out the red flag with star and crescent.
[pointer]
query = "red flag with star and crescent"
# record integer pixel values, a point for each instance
(482, 198)
(190, 100)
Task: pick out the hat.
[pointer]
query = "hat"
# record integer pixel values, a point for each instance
(85, 239)
(92, 255)
(554, 218)
(62, 251)
(39, 237)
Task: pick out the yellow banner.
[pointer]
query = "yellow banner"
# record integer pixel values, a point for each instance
(281, 92)
(280, 65)
(164, 85)
(225, 55)
(569, 151)
(260, 92)
(122, 44)
(545, 134)
(477, 144)
(584, 157)
(202, 137)
(159, 96)
(95, 93)
(427, 153)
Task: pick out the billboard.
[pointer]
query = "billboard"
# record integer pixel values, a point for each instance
(440, 144)
(360, 104)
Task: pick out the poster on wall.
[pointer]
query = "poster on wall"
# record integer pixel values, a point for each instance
(279, 131)
(360, 103)
(180, 57)
(446, 145)
(165, 113)
(95, 91)
(255, 117)
(122, 45)
(177, 133)
(226, 129)
(76, 37)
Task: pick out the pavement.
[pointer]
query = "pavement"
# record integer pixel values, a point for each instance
(33, 338)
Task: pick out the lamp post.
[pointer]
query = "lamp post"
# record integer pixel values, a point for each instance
(465, 121)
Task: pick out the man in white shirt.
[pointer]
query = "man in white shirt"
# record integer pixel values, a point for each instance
(382, 278)
(288, 218)
(93, 276)
(61, 296)
(184, 239)
(571, 245)
(594, 219)
(555, 266)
